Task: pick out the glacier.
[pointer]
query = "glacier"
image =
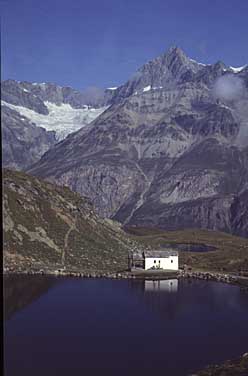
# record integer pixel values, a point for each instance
(62, 119)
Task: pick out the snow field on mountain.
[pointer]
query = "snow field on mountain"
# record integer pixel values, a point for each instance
(62, 119)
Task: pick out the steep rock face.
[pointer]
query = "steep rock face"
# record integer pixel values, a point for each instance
(23, 143)
(12, 92)
(177, 139)
(49, 227)
(239, 214)
(212, 213)
(201, 189)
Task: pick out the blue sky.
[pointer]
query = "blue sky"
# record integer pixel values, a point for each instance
(83, 43)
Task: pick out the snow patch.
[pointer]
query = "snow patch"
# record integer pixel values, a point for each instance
(39, 83)
(224, 106)
(62, 119)
(238, 69)
(147, 88)
(194, 61)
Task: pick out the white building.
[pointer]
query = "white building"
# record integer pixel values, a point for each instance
(167, 260)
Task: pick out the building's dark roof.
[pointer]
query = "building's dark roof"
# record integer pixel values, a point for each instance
(140, 255)
(160, 254)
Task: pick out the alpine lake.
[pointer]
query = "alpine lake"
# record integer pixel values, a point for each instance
(72, 326)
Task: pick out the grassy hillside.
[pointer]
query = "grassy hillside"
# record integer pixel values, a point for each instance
(50, 227)
(230, 254)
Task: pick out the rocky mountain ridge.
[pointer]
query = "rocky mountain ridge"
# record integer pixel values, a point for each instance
(166, 152)
(32, 95)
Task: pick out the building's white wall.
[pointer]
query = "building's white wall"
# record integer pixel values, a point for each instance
(170, 263)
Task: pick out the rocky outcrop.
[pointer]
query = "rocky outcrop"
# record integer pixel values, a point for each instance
(237, 367)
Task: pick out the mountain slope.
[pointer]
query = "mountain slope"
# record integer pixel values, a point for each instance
(23, 142)
(31, 109)
(167, 152)
(49, 227)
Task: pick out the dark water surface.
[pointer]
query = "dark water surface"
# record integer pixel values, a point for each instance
(86, 327)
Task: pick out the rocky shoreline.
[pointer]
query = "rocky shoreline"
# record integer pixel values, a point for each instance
(234, 367)
(98, 274)
(208, 276)
(218, 277)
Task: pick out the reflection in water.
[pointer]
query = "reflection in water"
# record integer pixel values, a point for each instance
(20, 291)
(160, 296)
(122, 327)
(169, 285)
(171, 298)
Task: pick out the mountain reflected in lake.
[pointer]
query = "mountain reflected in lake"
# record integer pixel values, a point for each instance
(122, 327)
(21, 291)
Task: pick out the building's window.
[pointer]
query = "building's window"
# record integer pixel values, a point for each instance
(171, 261)
(154, 261)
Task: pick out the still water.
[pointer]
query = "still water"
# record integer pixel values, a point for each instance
(66, 326)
